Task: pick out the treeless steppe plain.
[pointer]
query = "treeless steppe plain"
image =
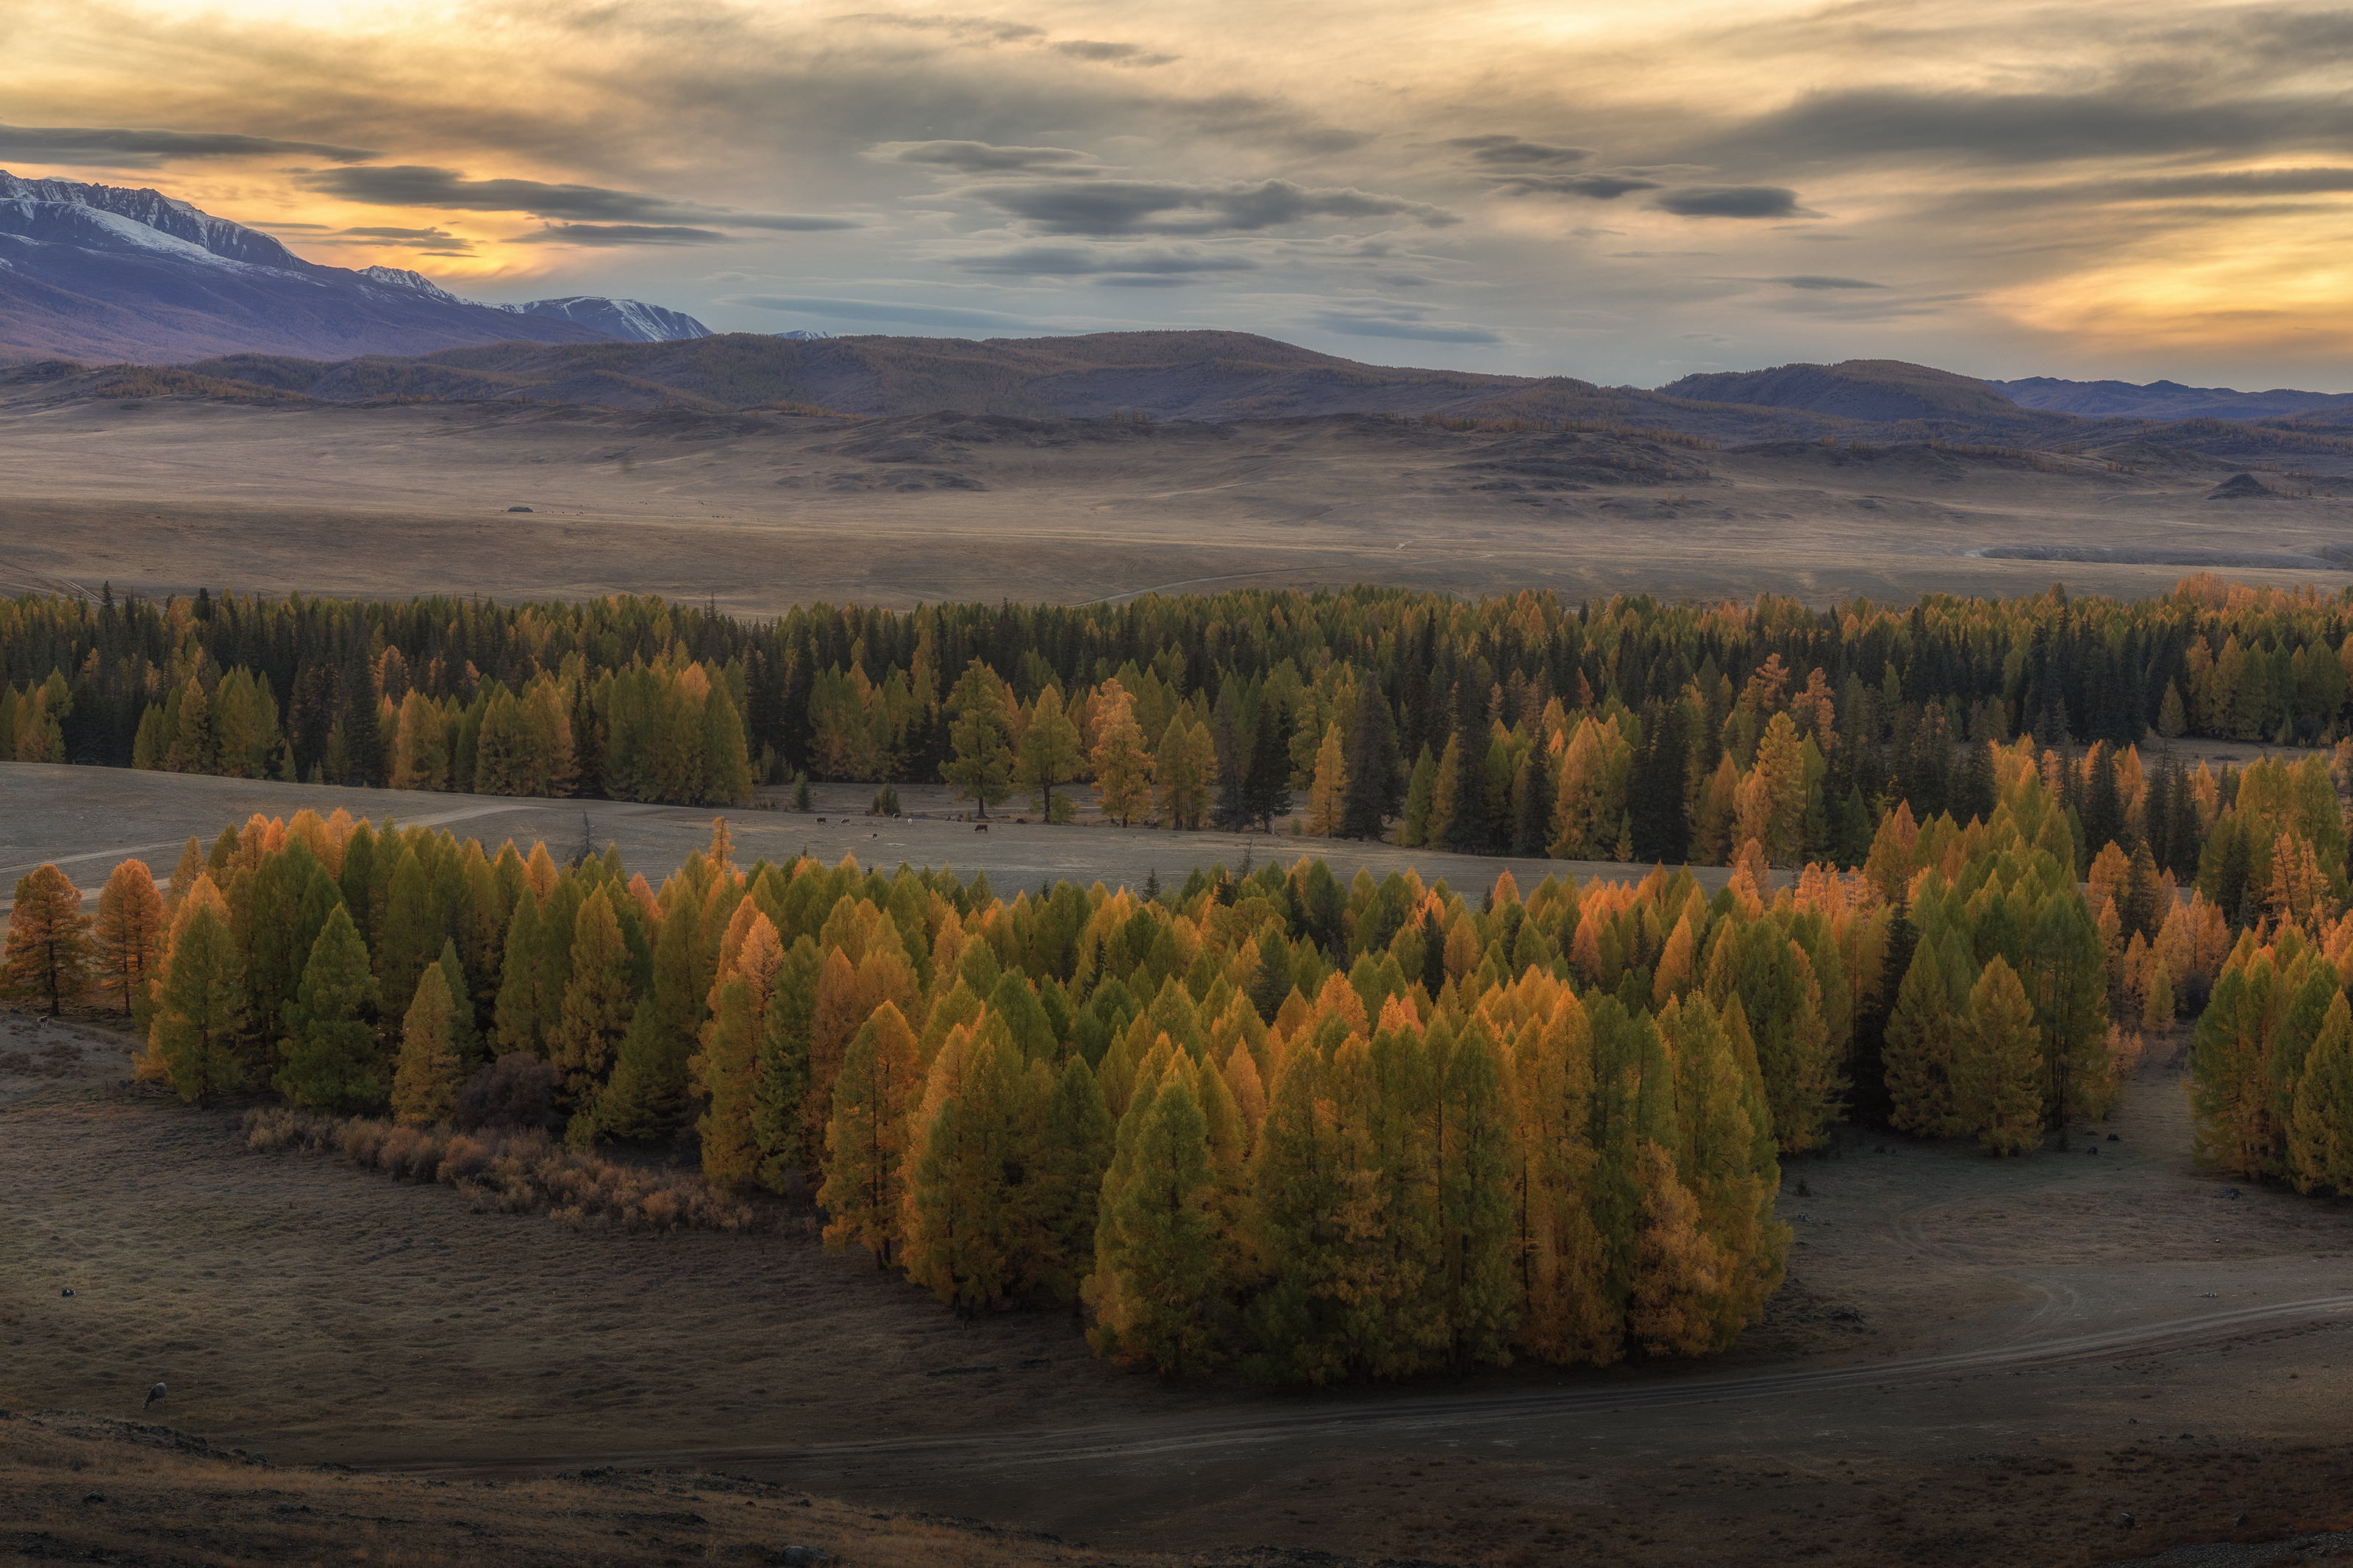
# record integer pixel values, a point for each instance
(760, 511)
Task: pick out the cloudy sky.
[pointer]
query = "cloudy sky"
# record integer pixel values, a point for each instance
(1623, 193)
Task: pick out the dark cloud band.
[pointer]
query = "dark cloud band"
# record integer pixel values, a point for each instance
(605, 234)
(1511, 153)
(1600, 187)
(1078, 262)
(1174, 207)
(979, 157)
(1731, 201)
(149, 148)
(1133, 56)
(420, 186)
(2036, 128)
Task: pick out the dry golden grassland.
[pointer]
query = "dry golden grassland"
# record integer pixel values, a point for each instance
(757, 513)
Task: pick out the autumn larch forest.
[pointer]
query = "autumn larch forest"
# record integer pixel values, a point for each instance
(1265, 1120)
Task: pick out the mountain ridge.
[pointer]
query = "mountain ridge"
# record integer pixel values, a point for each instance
(2170, 400)
(1178, 377)
(1876, 390)
(130, 274)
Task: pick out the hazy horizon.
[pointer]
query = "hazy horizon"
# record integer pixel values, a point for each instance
(2082, 192)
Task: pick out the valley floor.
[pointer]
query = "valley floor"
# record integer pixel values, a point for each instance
(755, 512)
(1974, 1361)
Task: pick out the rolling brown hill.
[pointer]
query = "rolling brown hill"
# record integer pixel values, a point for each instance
(1162, 375)
(1206, 376)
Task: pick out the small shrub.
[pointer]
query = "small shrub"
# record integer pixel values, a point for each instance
(281, 1128)
(413, 1154)
(509, 1169)
(886, 802)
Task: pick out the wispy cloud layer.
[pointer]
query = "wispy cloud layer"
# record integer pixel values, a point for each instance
(2013, 188)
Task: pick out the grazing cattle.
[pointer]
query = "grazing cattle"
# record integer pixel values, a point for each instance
(980, 827)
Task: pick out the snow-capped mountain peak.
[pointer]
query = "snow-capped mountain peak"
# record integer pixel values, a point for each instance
(98, 272)
(141, 218)
(632, 321)
(415, 282)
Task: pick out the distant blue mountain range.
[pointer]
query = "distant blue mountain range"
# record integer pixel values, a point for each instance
(2168, 400)
(95, 272)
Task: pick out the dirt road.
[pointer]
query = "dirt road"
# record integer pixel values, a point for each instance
(88, 819)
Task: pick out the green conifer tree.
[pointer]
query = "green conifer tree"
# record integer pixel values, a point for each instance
(2320, 1121)
(1995, 1089)
(2065, 976)
(866, 1140)
(981, 737)
(411, 936)
(726, 1070)
(1918, 1059)
(425, 1083)
(355, 877)
(201, 1012)
(2229, 1085)
(596, 1008)
(464, 1038)
(276, 951)
(1170, 1308)
(518, 1018)
(333, 1062)
(1475, 1201)
(1419, 791)
(1408, 1322)
(1297, 1189)
(964, 1227)
(646, 1097)
(1715, 1159)
(782, 1084)
(1075, 1152)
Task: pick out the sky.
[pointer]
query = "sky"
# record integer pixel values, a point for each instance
(1625, 194)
